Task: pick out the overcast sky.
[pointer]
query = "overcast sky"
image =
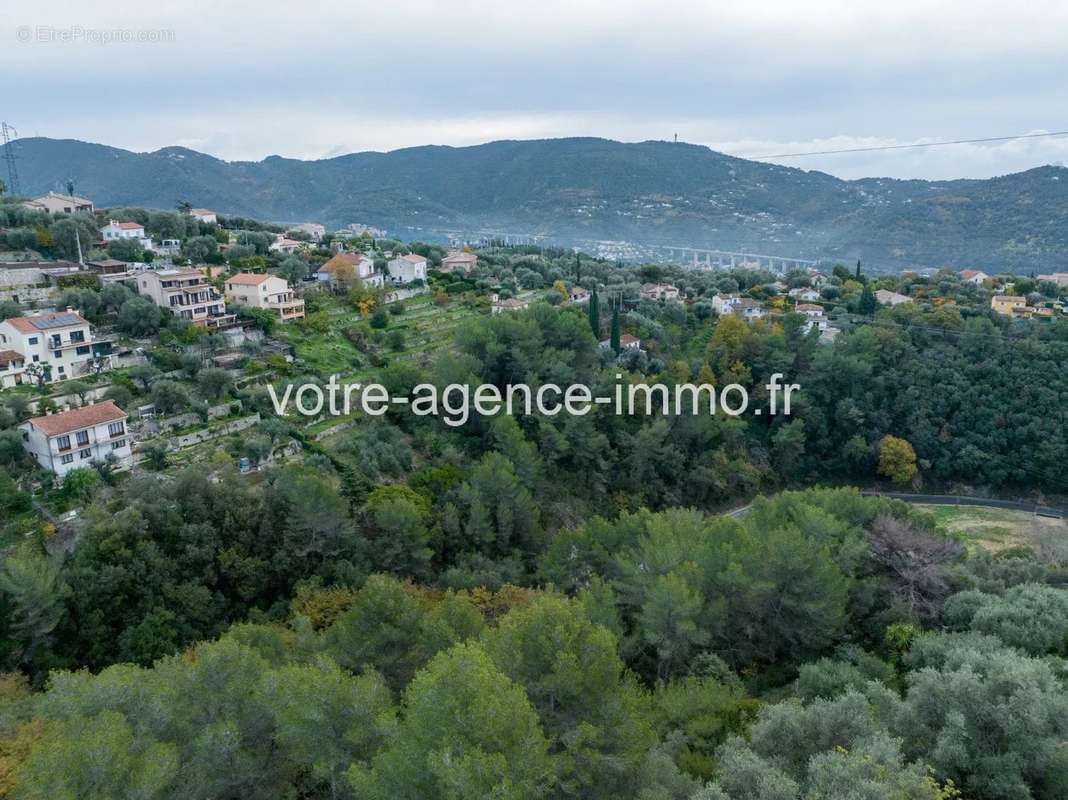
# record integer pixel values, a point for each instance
(241, 80)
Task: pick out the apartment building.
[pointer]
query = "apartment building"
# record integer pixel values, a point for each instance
(58, 345)
(187, 294)
(268, 292)
(79, 437)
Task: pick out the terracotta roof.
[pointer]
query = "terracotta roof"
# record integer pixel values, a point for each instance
(78, 418)
(126, 226)
(412, 258)
(809, 307)
(460, 257)
(352, 259)
(201, 211)
(44, 322)
(81, 201)
(626, 339)
(247, 279)
(7, 356)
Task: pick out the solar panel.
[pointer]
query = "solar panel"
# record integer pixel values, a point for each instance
(58, 321)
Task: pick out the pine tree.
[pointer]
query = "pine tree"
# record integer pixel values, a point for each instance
(614, 339)
(858, 270)
(595, 315)
(578, 268)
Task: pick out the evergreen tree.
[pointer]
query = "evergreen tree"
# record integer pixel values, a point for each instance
(595, 314)
(867, 303)
(858, 270)
(614, 339)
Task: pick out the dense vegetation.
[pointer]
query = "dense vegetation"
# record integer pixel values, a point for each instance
(551, 606)
(594, 189)
(645, 673)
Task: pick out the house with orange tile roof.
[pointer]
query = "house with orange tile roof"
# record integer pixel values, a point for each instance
(353, 265)
(268, 292)
(55, 346)
(405, 269)
(81, 437)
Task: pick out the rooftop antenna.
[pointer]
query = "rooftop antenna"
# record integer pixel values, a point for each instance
(9, 135)
(70, 186)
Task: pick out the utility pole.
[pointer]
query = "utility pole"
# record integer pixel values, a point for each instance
(9, 135)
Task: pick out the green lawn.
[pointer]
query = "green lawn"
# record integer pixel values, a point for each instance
(994, 528)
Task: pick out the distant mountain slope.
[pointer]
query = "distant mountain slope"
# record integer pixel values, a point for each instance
(579, 189)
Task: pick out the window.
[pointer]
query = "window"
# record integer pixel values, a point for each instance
(77, 336)
(82, 437)
(36, 358)
(63, 442)
(116, 429)
(84, 454)
(32, 340)
(83, 350)
(67, 459)
(118, 445)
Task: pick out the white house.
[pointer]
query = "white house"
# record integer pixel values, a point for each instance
(459, 261)
(511, 304)
(268, 292)
(658, 291)
(282, 244)
(166, 247)
(203, 215)
(805, 294)
(358, 265)
(12, 368)
(78, 438)
(815, 316)
(973, 276)
(405, 269)
(747, 309)
(187, 294)
(123, 230)
(56, 203)
(58, 345)
(725, 303)
(579, 295)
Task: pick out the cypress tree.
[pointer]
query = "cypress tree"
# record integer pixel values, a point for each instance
(595, 314)
(858, 269)
(614, 340)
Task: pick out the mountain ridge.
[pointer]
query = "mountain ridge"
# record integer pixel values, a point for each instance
(587, 188)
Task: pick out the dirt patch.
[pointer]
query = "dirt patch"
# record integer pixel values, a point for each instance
(996, 529)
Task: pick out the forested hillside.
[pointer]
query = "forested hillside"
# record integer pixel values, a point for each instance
(593, 189)
(552, 607)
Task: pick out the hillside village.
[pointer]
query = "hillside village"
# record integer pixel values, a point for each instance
(162, 320)
(165, 529)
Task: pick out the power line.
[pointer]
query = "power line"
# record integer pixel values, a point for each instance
(910, 146)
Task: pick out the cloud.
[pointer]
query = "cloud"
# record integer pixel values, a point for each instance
(242, 80)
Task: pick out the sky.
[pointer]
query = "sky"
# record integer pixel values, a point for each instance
(244, 80)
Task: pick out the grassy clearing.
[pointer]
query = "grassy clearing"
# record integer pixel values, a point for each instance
(995, 529)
